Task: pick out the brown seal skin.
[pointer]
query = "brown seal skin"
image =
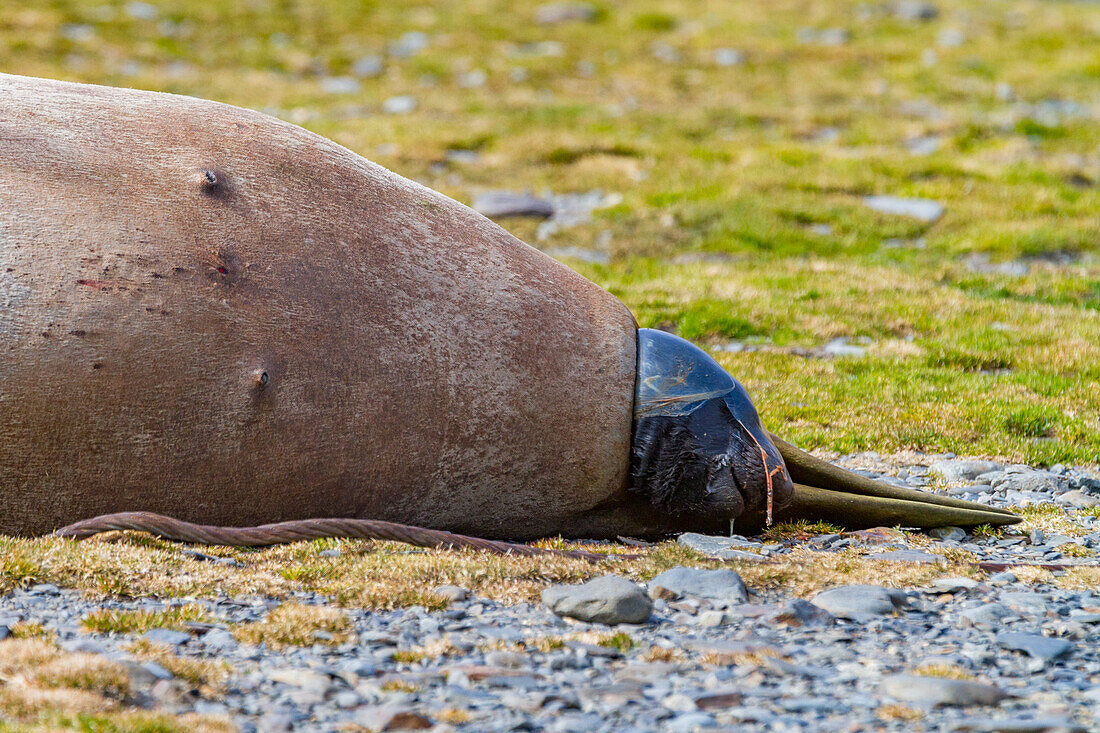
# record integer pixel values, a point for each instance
(209, 313)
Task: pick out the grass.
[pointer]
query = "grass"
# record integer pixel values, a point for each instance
(296, 624)
(114, 621)
(46, 689)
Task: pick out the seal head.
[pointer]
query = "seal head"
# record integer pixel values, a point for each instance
(698, 445)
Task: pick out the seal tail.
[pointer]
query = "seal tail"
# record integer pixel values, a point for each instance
(826, 492)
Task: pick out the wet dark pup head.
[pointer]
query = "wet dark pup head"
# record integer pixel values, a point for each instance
(698, 446)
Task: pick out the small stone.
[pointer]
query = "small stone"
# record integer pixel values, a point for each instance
(718, 699)
(925, 210)
(303, 679)
(798, 613)
(368, 67)
(401, 105)
(390, 717)
(410, 44)
(915, 10)
(564, 12)
(913, 556)
(953, 585)
(951, 534)
(1078, 499)
(989, 615)
(340, 85)
(941, 691)
(608, 599)
(950, 38)
(1035, 645)
(959, 470)
(722, 586)
(859, 602)
(1046, 724)
(166, 636)
(712, 619)
(142, 11)
(452, 593)
(5, 632)
(727, 57)
(498, 204)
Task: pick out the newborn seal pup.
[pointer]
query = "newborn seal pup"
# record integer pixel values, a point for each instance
(209, 313)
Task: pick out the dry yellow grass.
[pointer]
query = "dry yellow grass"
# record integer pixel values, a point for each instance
(44, 689)
(946, 671)
(295, 624)
(206, 675)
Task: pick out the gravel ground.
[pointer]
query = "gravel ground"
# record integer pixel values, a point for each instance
(995, 654)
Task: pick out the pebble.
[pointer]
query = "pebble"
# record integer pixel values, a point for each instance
(608, 599)
(727, 57)
(859, 602)
(166, 636)
(925, 210)
(953, 534)
(452, 593)
(1035, 645)
(941, 691)
(498, 204)
(564, 12)
(722, 587)
(401, 105)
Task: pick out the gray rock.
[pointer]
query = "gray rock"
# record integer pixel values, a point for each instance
(1026, 602)
(925, 210)
(1035, 645)
(608, 599)
(409, 44)
(368, 67)
(564, 12)
(1045, 724)
(166, 636)
(219, 640)
(941, 691)
(799, 613)
(340, 85)
(915, 10)
(959, 470)
(400, 105)
(727, 57)
(1005, 576)
(5, 632)
(860, 601)
(914, 556)
(1078, 499)
(723, 548)
(955, 534)
(497, 204)
(988, 615)
(390, 717)
(953, 585)
(452, 593)
(1036, 482)
(724, 587)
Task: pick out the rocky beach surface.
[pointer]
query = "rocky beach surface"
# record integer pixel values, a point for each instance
(1009, 647)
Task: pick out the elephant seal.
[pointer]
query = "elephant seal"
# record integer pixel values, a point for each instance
(210, 313)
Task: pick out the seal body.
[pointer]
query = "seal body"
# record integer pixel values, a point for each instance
(209, 313)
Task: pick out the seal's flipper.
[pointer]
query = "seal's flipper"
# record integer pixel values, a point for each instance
(825, 489)
(855, 511)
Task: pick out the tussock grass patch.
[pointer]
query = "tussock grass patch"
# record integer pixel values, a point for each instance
(296, 624)
(123, 621)
(208, 676)
(46, 689)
